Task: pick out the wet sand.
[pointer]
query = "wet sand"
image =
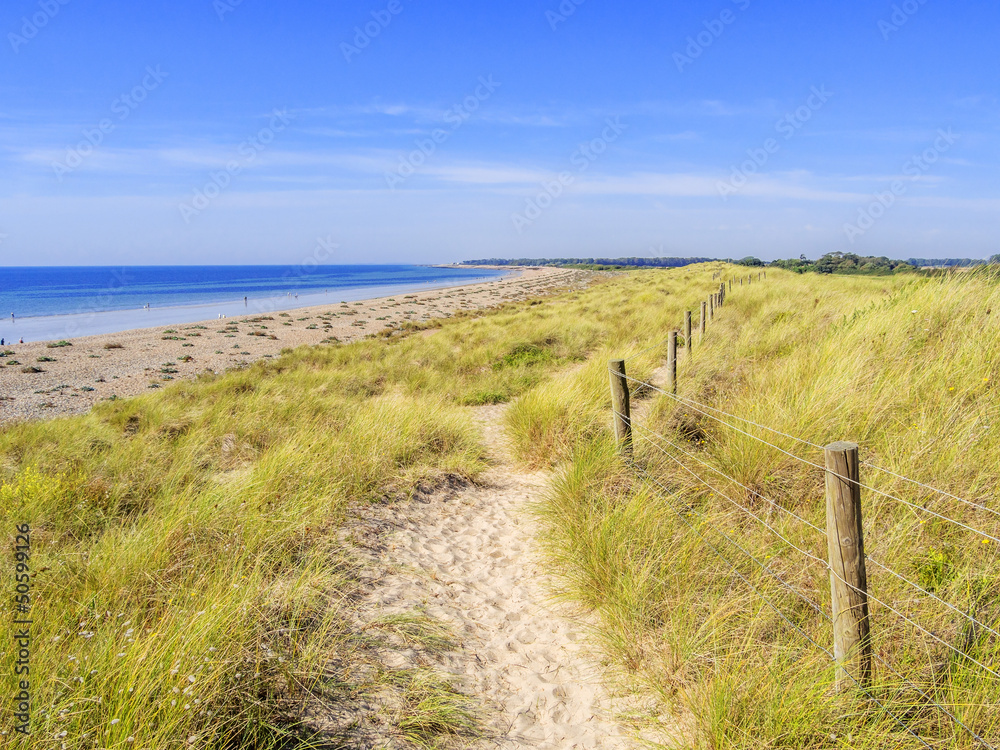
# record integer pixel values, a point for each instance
(40, 380)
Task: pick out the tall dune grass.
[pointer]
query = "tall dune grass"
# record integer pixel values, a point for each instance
(192, 583)
(906, 366)
(193, 586)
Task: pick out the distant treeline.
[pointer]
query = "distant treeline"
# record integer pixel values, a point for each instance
(850, 263)
(949, 262)
(651, 262)
(845, 263)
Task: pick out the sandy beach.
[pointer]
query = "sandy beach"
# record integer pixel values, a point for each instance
(44, 379)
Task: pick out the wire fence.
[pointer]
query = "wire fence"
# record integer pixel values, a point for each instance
(693, 462)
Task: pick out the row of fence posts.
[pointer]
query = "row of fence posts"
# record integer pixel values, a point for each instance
(761, 275)
(844, 529)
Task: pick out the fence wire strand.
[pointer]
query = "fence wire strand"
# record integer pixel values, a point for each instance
(816, 607)
(869, 557)
(868, 594)
(734, 503)
(823, 468)
(689, 401)
(949, 605)
(742, 549)
(899, 722)
(647, 436)
(766, 499)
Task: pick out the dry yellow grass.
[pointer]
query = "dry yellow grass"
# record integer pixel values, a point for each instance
(906, 366)
(193, 533)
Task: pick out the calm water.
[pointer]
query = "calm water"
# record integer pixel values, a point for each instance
(62, 302)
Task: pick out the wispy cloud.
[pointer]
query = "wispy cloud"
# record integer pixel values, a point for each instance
(704, 108)
(977, 101)
(487, 174)
(687, 135)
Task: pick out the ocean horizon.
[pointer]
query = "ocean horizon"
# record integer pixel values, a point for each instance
(51, 302)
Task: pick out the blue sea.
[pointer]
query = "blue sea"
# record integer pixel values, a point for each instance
(63, 302)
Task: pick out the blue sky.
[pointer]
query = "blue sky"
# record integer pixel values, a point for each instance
(220, 131)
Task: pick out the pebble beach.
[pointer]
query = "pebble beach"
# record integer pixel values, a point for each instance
(40, 380)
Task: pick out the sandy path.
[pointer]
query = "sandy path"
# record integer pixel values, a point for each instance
(468, 557)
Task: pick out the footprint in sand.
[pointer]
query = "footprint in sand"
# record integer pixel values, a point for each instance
(469, 558)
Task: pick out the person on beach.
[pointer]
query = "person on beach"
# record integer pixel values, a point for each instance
(244, 302)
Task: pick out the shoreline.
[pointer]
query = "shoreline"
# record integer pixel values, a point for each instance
(42, 381)
(45, 328)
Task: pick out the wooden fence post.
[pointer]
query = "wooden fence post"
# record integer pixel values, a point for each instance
(852, 646)
(687, 333)
(672, 361)
(722, 293)
(620, 404)
(704, 318)
(711, 307)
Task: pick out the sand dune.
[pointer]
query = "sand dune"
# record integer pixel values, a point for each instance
(38, 380)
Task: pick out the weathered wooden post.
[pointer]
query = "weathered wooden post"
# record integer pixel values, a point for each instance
(704, 320)
(722, 293)
(687, 334)
(711, 307)
(730, 285)
(620, 404)
(672, 361)
(852, 646)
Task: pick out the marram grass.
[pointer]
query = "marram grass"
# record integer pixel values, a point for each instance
(190, 580)
(905, 366)
(192, 585)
